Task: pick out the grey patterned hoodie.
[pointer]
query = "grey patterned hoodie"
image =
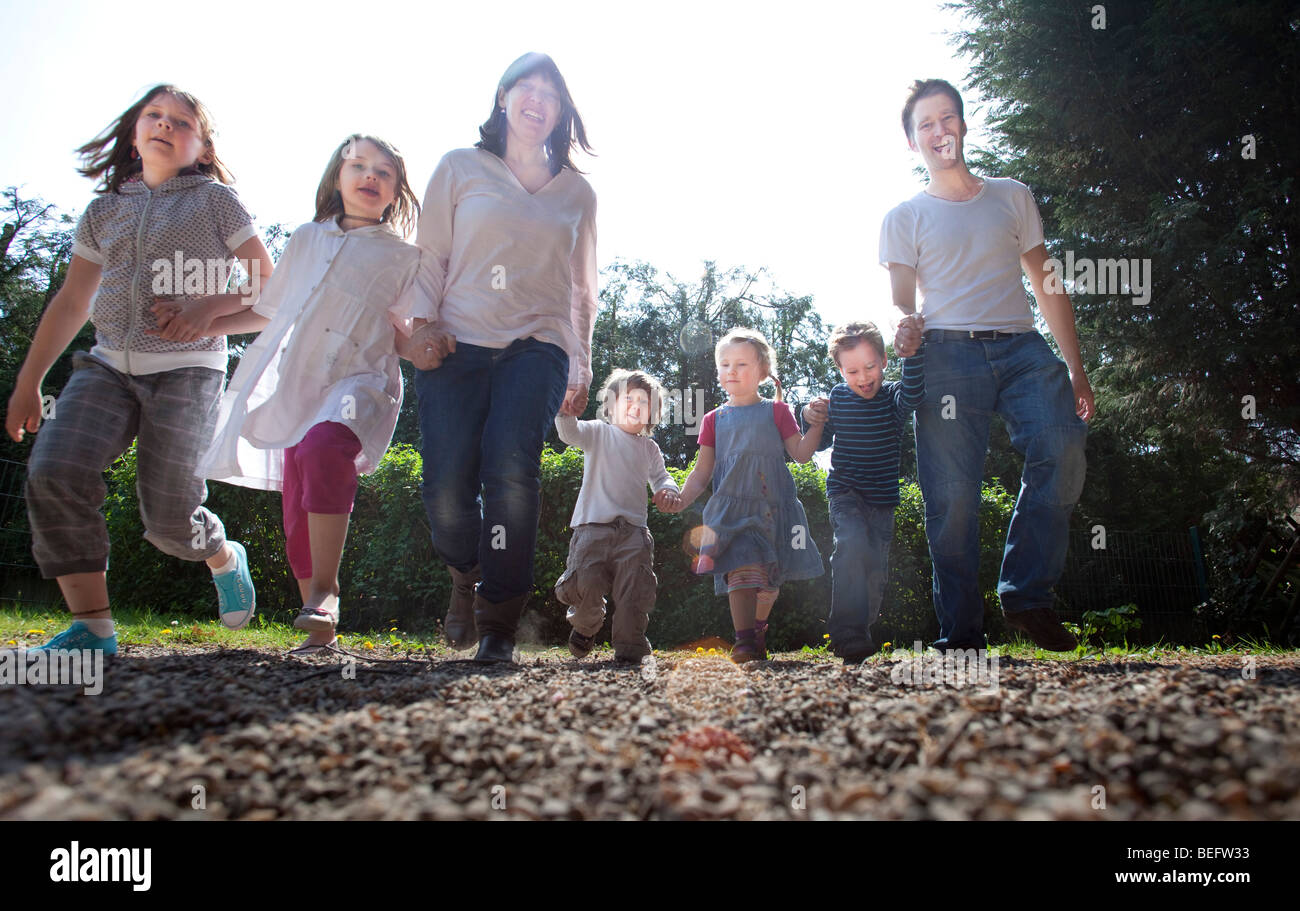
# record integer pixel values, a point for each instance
(176, 240)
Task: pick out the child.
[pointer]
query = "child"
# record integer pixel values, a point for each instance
(611, 545)
(755, 531)
(164, 201)
(315, 399)
(864, 418)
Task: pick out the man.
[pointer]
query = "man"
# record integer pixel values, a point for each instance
(963, 243)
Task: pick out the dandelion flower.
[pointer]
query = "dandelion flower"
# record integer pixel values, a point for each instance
(166, 632)
(12, 642)
(887, 645)
(36, 632)
(393, 630)
(1215, 636)
(826, 635)
(699, 650)
(368, 644)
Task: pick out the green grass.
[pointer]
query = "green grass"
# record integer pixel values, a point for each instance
(27, 626)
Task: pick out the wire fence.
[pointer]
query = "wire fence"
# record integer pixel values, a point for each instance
(20, 580)
(1163, 573)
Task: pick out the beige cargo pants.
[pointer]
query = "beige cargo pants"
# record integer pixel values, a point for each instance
(617, 557)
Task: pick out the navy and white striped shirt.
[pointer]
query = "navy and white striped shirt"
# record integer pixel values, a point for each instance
(865, 434)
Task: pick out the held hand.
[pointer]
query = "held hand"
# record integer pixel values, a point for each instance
(430, 346)
(575, 400)
(24, 412)
(1085, 405)
(667, 501)
(818, 411)
(907, 340)
(164, 309)
(188, 320)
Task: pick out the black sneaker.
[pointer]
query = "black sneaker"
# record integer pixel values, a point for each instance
(580, 646)
(1042, 626)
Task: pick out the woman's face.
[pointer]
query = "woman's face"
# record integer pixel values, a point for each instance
(533, 109)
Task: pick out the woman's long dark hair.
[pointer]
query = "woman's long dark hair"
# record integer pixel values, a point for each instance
(568, 134)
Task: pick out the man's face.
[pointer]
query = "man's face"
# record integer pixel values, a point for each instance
(937, 132)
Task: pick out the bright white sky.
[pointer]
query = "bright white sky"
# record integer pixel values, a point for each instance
(751, 133)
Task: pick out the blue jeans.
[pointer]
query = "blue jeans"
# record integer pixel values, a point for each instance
(966, 381)
(484, 415)
(859, 567)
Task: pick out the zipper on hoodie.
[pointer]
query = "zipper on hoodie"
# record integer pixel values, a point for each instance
(135, 280)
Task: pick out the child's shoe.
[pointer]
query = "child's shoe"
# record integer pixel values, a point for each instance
(746, 648)
(760, 639)
(236, 599)
(580, 646)
(322, 617)
(77, 637)
(308, 648)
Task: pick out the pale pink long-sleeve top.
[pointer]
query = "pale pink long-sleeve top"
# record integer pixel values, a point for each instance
(502, 264)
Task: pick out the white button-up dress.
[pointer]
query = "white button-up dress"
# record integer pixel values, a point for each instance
(328, 353)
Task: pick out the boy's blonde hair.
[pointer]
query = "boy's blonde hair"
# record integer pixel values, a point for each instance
(853, 334)
(616, 387)
(766, 356)
(402, 214)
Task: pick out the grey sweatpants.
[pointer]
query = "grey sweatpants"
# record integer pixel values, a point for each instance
(172, 415)
(617, 556)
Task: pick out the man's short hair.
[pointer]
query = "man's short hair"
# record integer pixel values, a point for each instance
(852, 335)
(924, 88)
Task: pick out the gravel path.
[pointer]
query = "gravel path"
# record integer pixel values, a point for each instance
(195, 733)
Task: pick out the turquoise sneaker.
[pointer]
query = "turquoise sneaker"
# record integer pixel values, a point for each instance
(77, 637)
(236, 599)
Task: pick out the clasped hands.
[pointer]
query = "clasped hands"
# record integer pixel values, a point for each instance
(907, 335)
(667, 501)
(181, 319)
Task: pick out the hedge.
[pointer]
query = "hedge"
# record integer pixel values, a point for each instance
(390, 576)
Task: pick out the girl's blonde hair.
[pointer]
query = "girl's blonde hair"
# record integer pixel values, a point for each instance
(402, 213)
(766, 356)
(108, 155)
(616, 387)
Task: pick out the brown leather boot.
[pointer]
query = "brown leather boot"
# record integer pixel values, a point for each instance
(496, 627)
(459, 625)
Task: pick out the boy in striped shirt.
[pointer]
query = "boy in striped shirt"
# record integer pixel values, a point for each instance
(864, 418)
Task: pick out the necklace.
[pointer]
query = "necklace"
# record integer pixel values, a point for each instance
(362, 218)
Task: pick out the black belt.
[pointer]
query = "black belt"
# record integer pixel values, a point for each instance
(953, 335)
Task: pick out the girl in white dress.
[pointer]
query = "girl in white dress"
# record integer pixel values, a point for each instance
(316, 397)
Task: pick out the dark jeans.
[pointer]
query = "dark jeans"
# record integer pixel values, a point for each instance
(484, 415)
(859, 567)
(966, 381)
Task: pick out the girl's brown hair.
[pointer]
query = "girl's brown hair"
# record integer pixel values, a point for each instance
(403, 213)
(617, 385)
(766, 356)
(108, 155)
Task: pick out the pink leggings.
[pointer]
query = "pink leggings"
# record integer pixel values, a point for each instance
(320, 476)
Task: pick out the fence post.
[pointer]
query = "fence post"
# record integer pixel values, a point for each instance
(1199, 561)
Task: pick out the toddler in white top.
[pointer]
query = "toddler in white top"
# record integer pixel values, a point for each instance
(315, 399)
(611, 548)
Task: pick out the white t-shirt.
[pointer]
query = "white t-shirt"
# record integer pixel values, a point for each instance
(328, 353)
(616, 467)
(967, 255)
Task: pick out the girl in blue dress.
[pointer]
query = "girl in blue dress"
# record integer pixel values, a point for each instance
(755, 534)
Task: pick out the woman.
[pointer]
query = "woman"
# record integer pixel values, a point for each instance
(508, 273)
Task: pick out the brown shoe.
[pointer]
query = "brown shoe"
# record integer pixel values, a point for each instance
(459, 625)
(1043, 626)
